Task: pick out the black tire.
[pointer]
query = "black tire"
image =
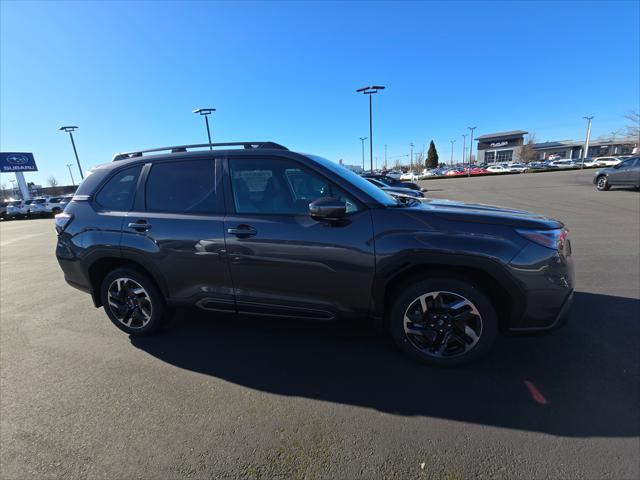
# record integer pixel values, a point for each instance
(450, 288)
(602, 183)
(152, 306)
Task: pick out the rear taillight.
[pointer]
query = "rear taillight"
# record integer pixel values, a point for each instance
(62, 221)
(547, 238)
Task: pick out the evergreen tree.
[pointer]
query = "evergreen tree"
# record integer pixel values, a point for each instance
(432, 156)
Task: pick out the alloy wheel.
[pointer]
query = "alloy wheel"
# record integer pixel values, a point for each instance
(602, 183)
(129, 302)
(442, 324)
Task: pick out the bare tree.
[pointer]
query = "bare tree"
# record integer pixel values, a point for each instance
(633, 128)
(53, 183)
(527, 153)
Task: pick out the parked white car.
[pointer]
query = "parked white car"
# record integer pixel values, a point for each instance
(14, 209)
(590, 162)
(409, 177)
(394, 174)
(607, 161)
(562, 163)
(517, 167)
(498, 169)
(54, 205)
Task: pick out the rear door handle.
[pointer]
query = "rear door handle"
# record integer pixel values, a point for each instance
(242, 231)
(140, 225)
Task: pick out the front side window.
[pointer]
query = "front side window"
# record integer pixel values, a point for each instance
(186, 186)
(117, 194)
(270, 186)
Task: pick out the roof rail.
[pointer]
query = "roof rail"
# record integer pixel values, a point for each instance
(185, 148)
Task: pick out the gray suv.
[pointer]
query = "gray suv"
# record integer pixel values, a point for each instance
(261, 230)
(626, 173)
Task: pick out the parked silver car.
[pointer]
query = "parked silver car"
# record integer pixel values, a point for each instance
(625, 173)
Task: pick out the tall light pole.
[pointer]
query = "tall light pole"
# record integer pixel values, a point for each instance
(205, 112)
(362, 139)
(464, 146)
(470, 149)
(70, 129)
(452, 142)
(370, 91)
(411, 157)
(586, 143)
(71, 173)
(385, 156)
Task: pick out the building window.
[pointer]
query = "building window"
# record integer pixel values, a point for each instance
(490, 157)
(504, 156)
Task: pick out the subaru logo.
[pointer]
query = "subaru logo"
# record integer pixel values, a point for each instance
(17, 159)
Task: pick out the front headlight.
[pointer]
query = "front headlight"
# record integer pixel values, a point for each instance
(554, 239)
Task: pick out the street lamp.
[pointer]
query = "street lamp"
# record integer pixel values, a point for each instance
(452, 142)
(464, 146)
(70, 129)
(370, 91)
(470, 149)
(411, 157)
(71, 173)
(362, 139)
(206, 112)
(586, 143)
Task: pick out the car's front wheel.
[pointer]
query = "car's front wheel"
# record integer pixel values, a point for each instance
(443, 321)
(132, 301)
(602, 183)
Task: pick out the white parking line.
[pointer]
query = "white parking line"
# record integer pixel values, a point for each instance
(19, 239)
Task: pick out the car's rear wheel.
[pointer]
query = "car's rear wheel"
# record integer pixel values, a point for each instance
(443, 321)
(132, 301)
(602, 183)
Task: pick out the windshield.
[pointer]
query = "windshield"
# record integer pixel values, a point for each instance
(358, 181)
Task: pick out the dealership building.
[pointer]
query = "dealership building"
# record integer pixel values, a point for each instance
(507, 146)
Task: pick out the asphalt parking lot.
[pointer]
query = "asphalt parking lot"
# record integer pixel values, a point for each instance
(254, 398)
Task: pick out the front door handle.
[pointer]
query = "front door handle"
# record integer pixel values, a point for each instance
(140, 225)
(242, 231)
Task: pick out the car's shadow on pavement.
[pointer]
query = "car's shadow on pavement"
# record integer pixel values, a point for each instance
(579, 381)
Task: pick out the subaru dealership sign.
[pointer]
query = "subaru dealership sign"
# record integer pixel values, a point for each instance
(17, 162)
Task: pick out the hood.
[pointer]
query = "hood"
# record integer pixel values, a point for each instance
(474, 212)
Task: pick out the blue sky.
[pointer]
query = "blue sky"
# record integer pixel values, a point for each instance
(129, 74)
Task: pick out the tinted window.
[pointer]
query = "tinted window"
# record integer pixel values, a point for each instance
(187, 186)
(279, 187)
(117, 194)
(357, 181)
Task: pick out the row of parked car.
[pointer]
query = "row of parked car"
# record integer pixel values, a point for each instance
(35, 207)
(483, 169)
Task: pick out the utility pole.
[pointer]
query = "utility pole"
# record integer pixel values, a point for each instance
(71, 173)
(586, 143)
(370, 91)
(470, 149)
(385, 156)
(362, 139)
(464, 146)
(205, 112)
(452, 142)
(70, 129)
(411, 157)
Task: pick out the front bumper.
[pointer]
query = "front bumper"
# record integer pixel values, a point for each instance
(547, 279)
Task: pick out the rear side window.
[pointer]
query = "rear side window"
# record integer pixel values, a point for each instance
(117, 194)
(187, 186)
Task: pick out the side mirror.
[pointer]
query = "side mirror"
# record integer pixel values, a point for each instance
(327, 208)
